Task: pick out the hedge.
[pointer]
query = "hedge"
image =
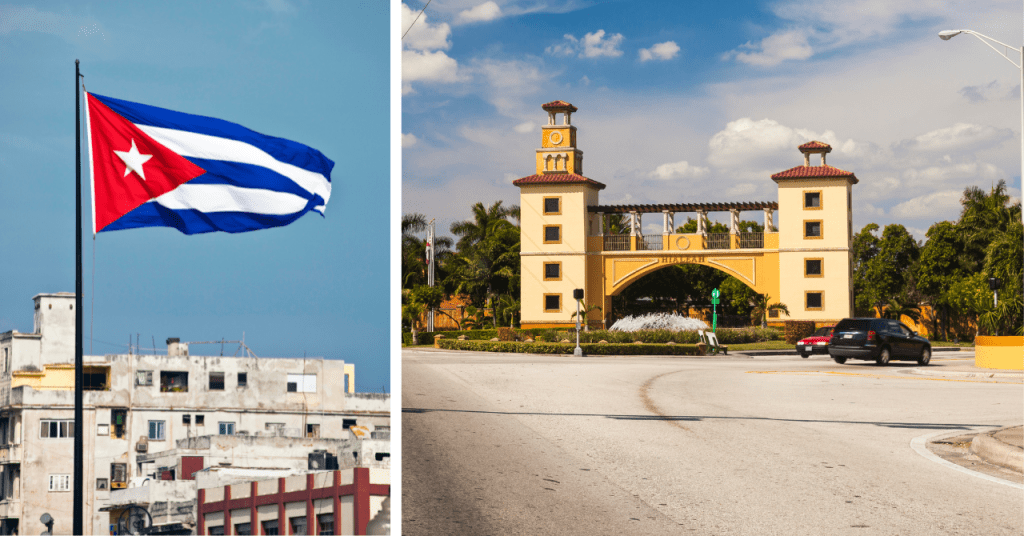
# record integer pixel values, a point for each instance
(567, 348)
(725, 335)
(798, 329)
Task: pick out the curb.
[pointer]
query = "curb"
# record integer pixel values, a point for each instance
(998, 453)
(937, 371)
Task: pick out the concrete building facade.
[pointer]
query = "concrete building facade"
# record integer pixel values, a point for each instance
(135, 405)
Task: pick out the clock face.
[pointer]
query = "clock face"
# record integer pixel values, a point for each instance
(555, 138)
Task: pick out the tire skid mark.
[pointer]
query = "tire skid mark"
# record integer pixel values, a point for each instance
(867, 375)
(649, 404)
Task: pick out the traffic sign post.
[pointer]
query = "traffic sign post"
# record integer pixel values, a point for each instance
(577, 294)
(714, 309)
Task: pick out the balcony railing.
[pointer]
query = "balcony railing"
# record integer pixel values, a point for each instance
(718, 240)
(752, 240)
(649, 243)
(616, 242)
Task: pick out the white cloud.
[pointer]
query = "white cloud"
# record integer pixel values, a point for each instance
(593, 45)
(958, 138)
(484, 12)
(660, 51)
(408, 140)
(30, 19)
(423, 35)
(933, 207)
(526, 128)
(774, 49)
(585, 81)
(678, 170)
(428, 67)
(745, 143)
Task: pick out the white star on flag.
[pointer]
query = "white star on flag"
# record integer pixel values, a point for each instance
(133, 160)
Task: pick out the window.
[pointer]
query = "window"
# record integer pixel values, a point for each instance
(243, 380)
(347, 423)
(144, 377)
(773, 313)
(270, 527)
(812, 267)
(186, 419)
(812, 228)
(227, 428)
(302, 383)
(812, 200)
(219, 530)
(60, 483)
(56, 429)
(243, 528)
(103, 429)
(156, 430)
(326, 522)
(200, 420)
(118, 418)
(312, 430)
(815, 300)
(552, 205)
(381, 455)
(275, 428)
(102, 483)
(552, 271)
(552, 303)
(173, 382)
(118, 474)
(216, 381)
(94, 379)
(298, 525)
(552, 234)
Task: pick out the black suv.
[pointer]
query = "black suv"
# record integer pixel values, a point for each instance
(879, 340)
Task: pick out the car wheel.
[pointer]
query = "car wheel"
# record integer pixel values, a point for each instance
(883, 357)
(839, 359)
(805, 356)
(925, 357)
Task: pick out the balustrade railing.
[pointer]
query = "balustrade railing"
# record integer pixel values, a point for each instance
(650, 243)
(752, 240)
(616, 242)
(718, 241)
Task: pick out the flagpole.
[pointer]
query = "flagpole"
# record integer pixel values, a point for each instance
(78, 477)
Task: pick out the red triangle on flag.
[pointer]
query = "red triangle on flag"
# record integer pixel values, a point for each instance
(118, 189)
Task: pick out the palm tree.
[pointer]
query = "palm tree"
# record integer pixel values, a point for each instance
(762, 305)
(898, 307)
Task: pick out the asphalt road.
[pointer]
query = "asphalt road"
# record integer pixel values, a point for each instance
(522, 444)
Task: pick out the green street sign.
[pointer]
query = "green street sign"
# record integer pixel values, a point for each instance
(714, 301)
(715, 294)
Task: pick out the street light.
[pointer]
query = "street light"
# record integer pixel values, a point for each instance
(946, 35)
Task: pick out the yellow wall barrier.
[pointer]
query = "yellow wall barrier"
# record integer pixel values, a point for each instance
(1006, 353)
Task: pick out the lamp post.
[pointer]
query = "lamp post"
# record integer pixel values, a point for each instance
(946, 35)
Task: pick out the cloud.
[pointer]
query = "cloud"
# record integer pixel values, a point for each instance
(774, 49)
(934, 206)
(961, 137)
(526, 128)
(507, 84)
(422, 35)
(745, 143)
(408, 140)
(30, 19)
(678, 170)
(593, 45)
(427, 67)
(660, 51)
(484, 12)
(979, 93)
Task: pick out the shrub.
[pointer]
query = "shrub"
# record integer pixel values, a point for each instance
(568, 348)
(798, 329)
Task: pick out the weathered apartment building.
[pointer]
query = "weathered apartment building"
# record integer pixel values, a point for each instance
(135, 405)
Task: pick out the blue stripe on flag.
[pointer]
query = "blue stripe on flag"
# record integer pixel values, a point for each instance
(191, 222)
(247, 176)
(283, 150)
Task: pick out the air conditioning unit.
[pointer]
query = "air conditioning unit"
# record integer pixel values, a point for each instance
(142, 445)
(318, 460)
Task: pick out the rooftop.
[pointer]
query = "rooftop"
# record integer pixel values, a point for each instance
(558, 178)
(814, 172)
(684, 207)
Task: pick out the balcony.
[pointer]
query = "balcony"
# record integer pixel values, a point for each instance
(10, 454)
(616, 243)
(719, 241)
(685, 242)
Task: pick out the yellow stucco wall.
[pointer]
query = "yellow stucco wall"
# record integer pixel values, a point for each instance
(350, 371)
(1005, 353)
(53, 377)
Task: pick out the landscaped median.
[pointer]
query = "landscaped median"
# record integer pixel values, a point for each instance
(568, 348)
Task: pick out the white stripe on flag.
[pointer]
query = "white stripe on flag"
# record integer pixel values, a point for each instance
(190, 144)
(225, 198)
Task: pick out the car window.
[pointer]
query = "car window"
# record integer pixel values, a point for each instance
(906, 330)
(853, 324)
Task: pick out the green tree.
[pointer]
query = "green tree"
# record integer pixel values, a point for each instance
(487, 262)
(865, 248)
(763, 305)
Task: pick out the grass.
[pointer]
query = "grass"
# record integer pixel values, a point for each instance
(948, 343)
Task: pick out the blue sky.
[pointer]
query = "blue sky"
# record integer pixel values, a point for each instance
(701, 101)
(310, 71)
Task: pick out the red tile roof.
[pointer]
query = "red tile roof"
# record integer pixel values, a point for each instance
(558, 178)
(816, 147)
(814, 172)
(558, 105)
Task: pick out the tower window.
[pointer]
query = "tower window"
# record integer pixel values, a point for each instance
(552, 271)
(552, 234)
(812, 200)
(552, 303)
(552, 205)
(812, 228)
(813, 267)
(815, 300)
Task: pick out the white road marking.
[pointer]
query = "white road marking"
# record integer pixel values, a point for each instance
(920, 445)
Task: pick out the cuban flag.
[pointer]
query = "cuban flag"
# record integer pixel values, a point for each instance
(153, 167)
